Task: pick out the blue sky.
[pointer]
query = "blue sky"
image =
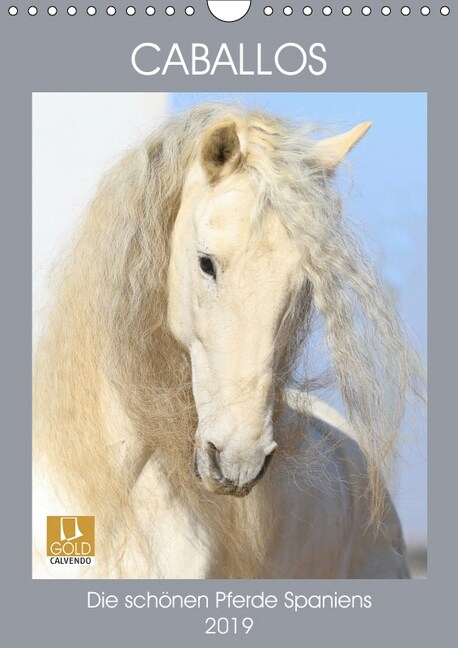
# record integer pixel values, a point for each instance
(385, 195)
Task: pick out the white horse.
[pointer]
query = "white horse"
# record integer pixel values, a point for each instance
(162, 398)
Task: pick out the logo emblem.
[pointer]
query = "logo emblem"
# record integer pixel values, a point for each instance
(71, 535)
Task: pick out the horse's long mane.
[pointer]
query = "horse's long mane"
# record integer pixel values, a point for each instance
(107, 319)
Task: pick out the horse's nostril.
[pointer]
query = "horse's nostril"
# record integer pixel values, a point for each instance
(212, 448)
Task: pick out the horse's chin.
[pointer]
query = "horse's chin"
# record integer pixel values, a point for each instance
(238, 491)
(224, 487)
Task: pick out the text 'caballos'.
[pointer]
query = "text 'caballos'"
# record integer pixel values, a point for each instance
(199, 59)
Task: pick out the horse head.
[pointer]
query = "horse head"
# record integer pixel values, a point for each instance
(235, 274)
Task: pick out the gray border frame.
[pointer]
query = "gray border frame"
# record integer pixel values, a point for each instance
(85, 53)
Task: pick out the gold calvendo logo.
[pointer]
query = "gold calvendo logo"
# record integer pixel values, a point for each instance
(70, 539)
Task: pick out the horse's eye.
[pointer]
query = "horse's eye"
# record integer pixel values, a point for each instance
(207, 266)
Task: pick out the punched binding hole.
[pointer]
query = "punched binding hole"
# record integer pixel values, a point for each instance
(347, 10)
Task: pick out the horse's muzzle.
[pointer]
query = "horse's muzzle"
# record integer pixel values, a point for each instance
(228, 477)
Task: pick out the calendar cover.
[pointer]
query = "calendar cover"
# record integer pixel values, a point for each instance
(228, 235)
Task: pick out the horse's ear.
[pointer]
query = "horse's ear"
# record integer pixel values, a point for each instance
(220, 153)
(329, 152)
